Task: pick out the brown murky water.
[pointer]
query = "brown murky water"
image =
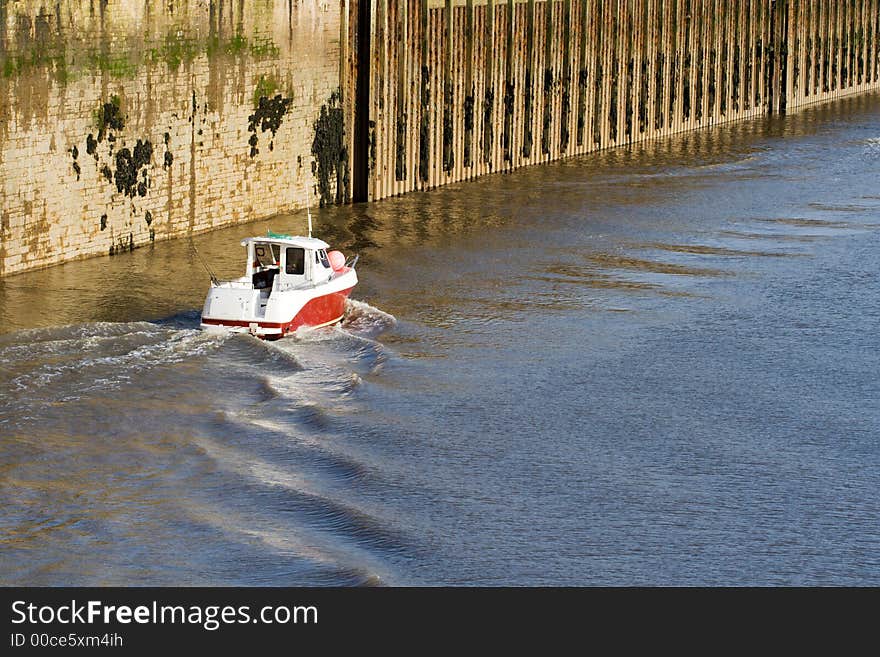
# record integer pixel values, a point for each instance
(650, 366)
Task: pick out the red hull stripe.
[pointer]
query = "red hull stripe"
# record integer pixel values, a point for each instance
(317, 311)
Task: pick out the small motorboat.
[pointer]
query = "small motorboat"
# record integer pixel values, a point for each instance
(290, 282)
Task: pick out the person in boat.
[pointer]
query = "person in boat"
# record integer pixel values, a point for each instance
(267, 264)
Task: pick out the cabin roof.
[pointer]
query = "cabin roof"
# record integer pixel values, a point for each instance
(311, 243)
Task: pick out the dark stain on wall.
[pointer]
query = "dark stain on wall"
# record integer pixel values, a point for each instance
(121, 244)
(92, 146)
(329, 152)
(527, 115)
(74, 153)
(508, 119)
(469, 128)
(583, 86)
(565, 112)
(128, 169)
(109, 117)
(169, 156)
(131, 169)
(425, 127)
(547, 121)
(448, 132)
(268, 116)
(488, 124)
(686, 87)
(400, 146)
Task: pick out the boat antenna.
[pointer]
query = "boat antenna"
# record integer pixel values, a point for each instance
(309, 207)
(208, 269)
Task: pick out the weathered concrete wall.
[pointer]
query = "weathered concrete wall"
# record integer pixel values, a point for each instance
(460, 88)
(128, 121)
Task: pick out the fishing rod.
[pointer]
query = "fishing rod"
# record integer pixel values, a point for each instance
(208, 269)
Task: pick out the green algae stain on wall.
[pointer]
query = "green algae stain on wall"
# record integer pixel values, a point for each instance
(33, 39)
(178, 47)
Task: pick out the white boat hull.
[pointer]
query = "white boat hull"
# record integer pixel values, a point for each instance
(236, 307)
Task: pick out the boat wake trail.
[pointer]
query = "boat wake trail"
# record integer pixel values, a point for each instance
(362, 318)
(66, 363)
(222, 443)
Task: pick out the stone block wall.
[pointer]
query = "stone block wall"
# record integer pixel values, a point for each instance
(123, 122)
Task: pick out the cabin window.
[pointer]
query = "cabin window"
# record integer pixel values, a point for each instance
(321, 256)
(296, 261)
(267, 255)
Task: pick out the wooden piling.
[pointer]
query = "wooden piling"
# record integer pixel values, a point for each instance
(462, 88)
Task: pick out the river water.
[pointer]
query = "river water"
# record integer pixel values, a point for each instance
(655, 365)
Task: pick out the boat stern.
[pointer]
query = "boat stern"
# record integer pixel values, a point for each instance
(218, 326)
(230, 308)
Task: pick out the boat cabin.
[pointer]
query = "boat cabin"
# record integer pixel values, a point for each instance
(281, 262)
(289, 281)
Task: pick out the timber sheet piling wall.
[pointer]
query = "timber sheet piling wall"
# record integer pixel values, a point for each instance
(461, 88)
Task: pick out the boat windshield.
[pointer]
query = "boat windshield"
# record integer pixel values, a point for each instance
(267, 255)
(296, 261)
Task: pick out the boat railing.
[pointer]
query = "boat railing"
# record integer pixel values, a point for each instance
(240, 283)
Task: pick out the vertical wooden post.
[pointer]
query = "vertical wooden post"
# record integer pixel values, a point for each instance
(835, 48)
(360, 155)
(625, 18)
(671, 47)
(809, 57)
(647, 69)
(691, 46)
(706, 72)
(819, 49)
(594, 138)
(873, 21)
(865, 34)
(787, 53)
(663, 66)
(821, 44)
(716, 67)
(606, 41)
(795, 52)
(569, 84)
(491, 92)
(583, 76)
(845, 70)
(679, 61)
(758, 46)
(651, 26)
(745, 48)
(875, 38)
